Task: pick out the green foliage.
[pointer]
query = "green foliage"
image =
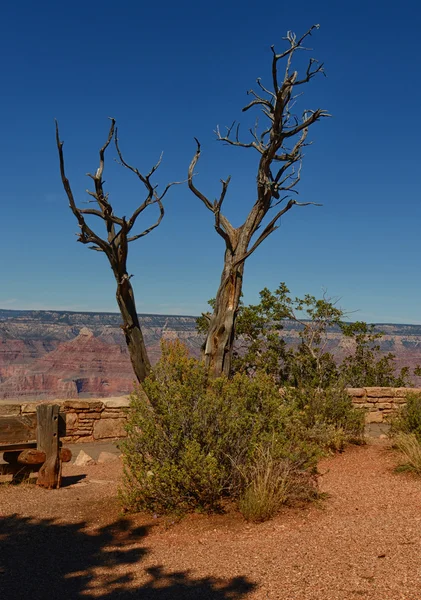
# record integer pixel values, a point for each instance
(190, 445)
(328, 416)
(366, 366)
(194, 442)
(408, 419)
(260, 346)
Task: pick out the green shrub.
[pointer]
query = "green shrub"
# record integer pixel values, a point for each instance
(408, 419)
(194, 442)
(191, 444)
(328, 415)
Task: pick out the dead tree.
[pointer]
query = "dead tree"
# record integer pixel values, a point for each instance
(116, 243)
(280, 147)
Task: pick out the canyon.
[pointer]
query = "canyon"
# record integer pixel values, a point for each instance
(68, 355)
(60, 354)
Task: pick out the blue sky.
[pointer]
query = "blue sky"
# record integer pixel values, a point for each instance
(169, 71)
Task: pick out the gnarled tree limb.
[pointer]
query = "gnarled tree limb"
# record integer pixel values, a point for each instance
(116, 244)
(280, 146)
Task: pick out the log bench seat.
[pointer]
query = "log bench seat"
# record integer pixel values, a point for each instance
(32, 443)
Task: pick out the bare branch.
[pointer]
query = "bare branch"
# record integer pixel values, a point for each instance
(264, 89)
(152, 227)
(97, 213)
(191, 185)
(100, 169)
(86, 235)
(145, 180)
(236, 142)
(307, 121)
(274, 187)
(271, 227)
(222, 225)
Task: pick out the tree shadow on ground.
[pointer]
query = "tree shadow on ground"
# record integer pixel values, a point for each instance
(48, 560)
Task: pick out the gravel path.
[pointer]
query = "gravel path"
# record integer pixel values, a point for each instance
(362, 541)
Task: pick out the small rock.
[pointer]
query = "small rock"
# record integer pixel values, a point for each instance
(83, 459)
(106, 457)
(382, 436)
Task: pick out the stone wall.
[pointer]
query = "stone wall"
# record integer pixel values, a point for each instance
(380, 403)
(104, 418)
(86, 420)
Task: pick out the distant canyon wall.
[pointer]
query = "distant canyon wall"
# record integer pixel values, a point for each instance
(48, 354)
(74, 355)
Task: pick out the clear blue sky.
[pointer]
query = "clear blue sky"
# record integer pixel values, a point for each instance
(168, 71)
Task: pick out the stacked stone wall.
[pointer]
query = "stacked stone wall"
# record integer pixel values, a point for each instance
(86, 420)
(104, 418)
(380, 403)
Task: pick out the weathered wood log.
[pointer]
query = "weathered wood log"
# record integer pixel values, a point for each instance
(65, 455)
(32, 456)
(15, 447)
(18, 430)
(49, 475)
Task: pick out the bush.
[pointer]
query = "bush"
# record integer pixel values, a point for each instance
(328, 415)
(196, 441)
(410, 448)
(408, 419)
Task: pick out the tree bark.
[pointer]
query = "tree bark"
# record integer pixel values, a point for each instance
(131, 327)
(280, 145)
(220, 339)
(116, 244)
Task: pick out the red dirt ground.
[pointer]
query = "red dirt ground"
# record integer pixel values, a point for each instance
(362, 541)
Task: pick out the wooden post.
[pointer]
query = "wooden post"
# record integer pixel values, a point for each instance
(49, 475)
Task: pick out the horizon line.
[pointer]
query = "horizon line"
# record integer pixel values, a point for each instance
(115, 313)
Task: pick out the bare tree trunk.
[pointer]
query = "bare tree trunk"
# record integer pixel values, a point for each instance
(116, 244)
(220, 338)
(280, 145)
(131, 327)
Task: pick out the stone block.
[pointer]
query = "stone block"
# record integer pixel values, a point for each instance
(109, 428)
(89, 416)
(383, 405)
(356, 392)
(115, 414)
(374, 417)
(29, 408)
(9, 410)
(399, 400)
(380, 392)
(116, 402)
(107, 457)
(83, 459)
(358, 400)
(92, 416)
(82, 404)
(82, 432)
(71, 420)
(402, 392)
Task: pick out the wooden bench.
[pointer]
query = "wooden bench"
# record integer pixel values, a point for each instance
(32, 443)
